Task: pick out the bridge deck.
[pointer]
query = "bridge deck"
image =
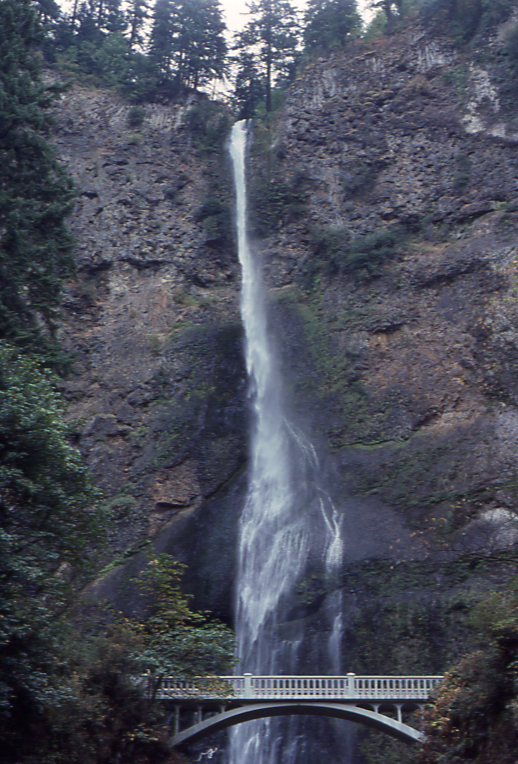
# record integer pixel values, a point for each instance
(347, 689)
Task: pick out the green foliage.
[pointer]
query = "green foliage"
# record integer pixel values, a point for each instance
(357, 178)
(475, 712)
(44, 486)
(335, 252)
(187, 44)
(216, 218)
(209, 126)
(36, 249)
(270, 39)
(330, 375)
(273, 203)
(330, 24)
(145, 55)
(249, 85)
(174, 640)
(388, 7)
(462, 173)
(136, 116)
(464, 19)
(47, 526)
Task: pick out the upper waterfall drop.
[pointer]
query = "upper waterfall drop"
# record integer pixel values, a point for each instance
(273, 539)
(288, 521)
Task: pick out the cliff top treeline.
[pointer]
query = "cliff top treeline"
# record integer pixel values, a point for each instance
(160, 50)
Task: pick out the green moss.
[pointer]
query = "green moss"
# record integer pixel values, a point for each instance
(123, 558)
(276, 194)
(419, 610)
(330, 376)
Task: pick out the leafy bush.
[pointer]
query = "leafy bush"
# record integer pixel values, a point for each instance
(463, 19)
(273, 203)
(216, 218)
(462, 172)
(136, 116)
(474, 716)
(209, 125)
(363, 256)
(358, 178)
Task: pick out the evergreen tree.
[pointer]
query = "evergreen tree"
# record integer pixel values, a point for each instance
(387, 6)
(48, 10)
(187, 43)
(272, 37)
(249, 85)
(463, 19)
(36, 249)
(138, 14)
(330, 23)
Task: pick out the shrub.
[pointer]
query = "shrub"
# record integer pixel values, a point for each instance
(216, 219)
(463, 19)
(364, 256)
(209, 125)
(272, 203)
(136, 116)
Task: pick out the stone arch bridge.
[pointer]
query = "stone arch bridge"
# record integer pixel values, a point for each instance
(205, 706)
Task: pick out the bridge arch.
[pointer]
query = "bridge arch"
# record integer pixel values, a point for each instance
(221, 721)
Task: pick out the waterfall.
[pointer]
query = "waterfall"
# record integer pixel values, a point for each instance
(284, 503)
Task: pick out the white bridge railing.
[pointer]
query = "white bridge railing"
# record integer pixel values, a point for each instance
(338, 688)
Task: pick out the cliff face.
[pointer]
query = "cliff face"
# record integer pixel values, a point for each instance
(385, 207)
(392, 266)
(153, 316)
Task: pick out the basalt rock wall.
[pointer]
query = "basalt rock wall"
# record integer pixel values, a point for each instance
(385, 208)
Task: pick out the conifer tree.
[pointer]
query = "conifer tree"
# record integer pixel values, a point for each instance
(36, 249)
(187, 44)
(249, 87)
(272, 36)
(138, 13)
(330, 23)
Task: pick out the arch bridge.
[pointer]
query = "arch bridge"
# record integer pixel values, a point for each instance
(207, 705)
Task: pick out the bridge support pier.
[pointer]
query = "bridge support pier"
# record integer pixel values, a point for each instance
(176, 719)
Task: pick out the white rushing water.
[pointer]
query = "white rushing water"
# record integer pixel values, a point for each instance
(276, 534)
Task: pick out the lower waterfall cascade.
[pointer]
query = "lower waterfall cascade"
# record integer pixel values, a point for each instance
(288, 519)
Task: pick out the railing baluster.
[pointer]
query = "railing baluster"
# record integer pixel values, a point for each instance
(248, 687)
